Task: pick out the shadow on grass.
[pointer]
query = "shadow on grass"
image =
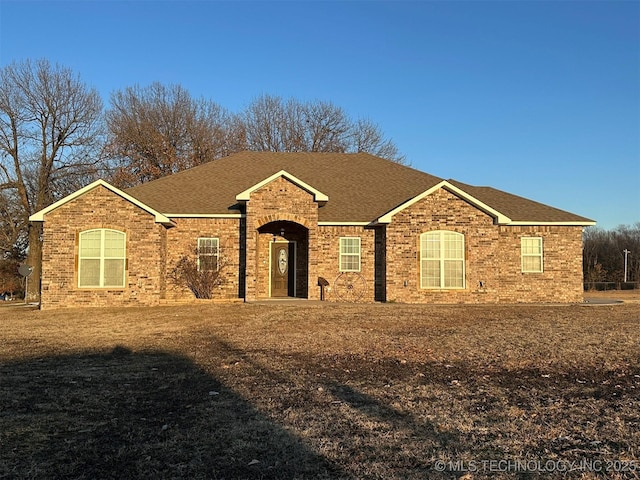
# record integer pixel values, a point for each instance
(148, 415)
(365, 435)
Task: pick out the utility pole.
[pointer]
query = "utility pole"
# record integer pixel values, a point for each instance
(626, 254)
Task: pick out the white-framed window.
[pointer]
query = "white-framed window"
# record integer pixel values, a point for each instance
(208, 254)
(349, 254)
(442, 260)
(102, 258)
(531, 254)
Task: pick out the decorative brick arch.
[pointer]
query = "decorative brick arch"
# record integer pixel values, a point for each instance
(287, 217)
(100, 226)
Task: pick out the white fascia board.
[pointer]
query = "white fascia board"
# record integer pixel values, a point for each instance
(159, 218)
(317, 195)
(205, 215)
(560, 224)
(343, 224)
(501, 218)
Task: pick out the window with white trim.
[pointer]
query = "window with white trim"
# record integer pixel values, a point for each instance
(208, 254)
(349, 254)
(442, 260)
(531, 254)
(102, 258)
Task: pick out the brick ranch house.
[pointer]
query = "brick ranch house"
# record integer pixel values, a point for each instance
(325, 226)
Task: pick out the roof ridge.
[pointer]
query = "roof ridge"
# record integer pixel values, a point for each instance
(361, 186)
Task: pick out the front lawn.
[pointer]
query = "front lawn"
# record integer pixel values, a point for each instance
(321, 391)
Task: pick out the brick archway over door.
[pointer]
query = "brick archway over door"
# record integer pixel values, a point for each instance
(298, 237)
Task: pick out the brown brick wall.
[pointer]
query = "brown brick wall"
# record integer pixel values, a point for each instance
(101, 208)
(492, 256)
(329, 263)
(182, 240)
(389, 255)
(279, 201)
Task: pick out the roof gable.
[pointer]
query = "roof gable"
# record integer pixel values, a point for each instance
(318, 196)
(159, 218)
(505, 208)
(499, 217)
(522, 211)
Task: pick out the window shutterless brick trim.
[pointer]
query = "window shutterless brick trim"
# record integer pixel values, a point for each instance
(202, 254)
(76, 254)
(102, 258)
(442, 259)
(342, 254)
(539, 243)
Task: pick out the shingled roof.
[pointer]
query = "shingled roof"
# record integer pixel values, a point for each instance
(361, 187)
(520, 209)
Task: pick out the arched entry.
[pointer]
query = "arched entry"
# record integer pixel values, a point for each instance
(283, 260)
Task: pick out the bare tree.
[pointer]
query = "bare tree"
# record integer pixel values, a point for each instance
(11, 282)
(49, 133)
(156, 130)
(627, 237)
(603, 254)
(268, 125)
(594, 245)
(328, 128)
(273, 124)
(13, 226)
(367, 137)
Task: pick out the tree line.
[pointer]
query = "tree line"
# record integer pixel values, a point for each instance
(604, 255)
(56, 135)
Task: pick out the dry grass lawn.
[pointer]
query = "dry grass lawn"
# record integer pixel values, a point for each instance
(321, 391)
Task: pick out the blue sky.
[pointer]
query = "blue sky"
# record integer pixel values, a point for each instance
(538, 98)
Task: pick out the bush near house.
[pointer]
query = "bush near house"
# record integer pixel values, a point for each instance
(201, 281)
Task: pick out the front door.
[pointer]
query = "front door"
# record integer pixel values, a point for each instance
(282, 269)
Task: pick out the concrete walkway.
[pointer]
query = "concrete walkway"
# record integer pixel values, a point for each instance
(601, 301)
(287, 301)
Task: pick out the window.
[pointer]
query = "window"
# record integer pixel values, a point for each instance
(208, 251)
(101, 258)
(350, 254)
(441, 259)
(531, 254)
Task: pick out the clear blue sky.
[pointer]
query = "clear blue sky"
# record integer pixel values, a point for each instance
(541, 99)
